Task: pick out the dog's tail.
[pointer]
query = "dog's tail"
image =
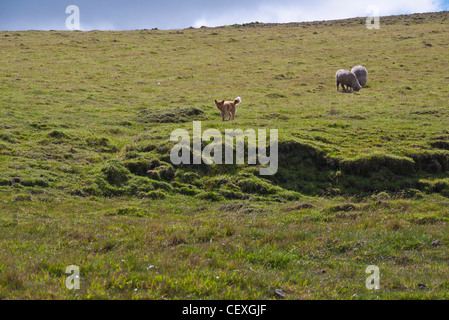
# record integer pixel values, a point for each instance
(238, 100)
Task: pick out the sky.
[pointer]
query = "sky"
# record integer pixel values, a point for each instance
(18, 15)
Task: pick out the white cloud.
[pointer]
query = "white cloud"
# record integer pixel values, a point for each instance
(316, 10)
(102, 25)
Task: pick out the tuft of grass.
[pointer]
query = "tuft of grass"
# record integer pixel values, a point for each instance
(371, 163)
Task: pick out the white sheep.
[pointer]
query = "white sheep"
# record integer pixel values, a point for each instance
(361, 73)
(348, 79)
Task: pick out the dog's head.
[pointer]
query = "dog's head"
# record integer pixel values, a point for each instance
(219, 104)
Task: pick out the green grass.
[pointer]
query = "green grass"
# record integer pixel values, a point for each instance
(86, 178)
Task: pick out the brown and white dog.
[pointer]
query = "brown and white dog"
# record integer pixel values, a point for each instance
(228, 108)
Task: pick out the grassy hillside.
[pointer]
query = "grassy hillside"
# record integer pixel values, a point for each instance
(86, 178)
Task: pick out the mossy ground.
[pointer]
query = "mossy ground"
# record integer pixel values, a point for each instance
(86, 178)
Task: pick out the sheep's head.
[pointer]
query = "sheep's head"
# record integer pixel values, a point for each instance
(356, 85)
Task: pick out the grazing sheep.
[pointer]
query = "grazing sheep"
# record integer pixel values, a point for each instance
(348, 79)
(361, 73)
